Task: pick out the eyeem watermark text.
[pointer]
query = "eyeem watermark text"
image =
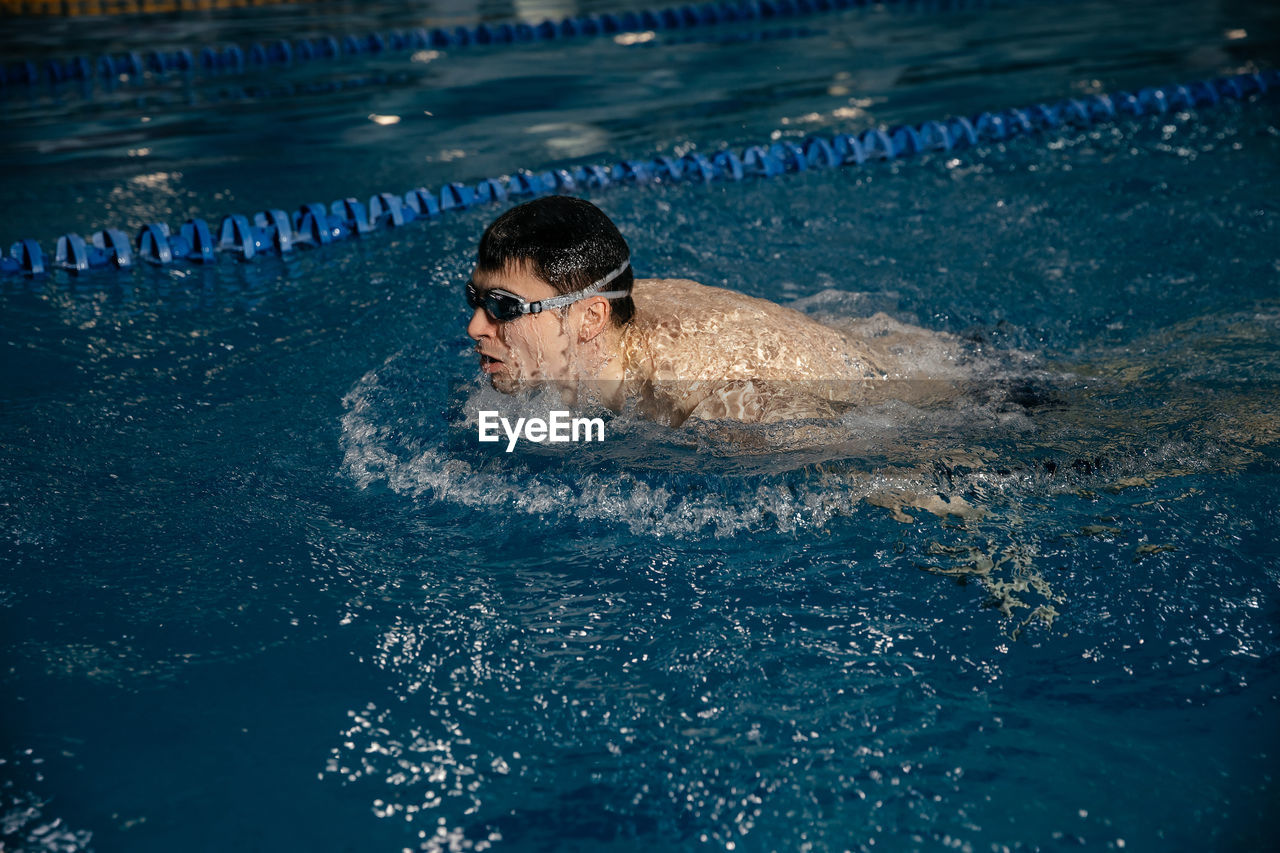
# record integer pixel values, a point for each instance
(558, 428)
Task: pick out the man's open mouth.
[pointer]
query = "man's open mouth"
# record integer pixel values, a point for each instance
(489, 364)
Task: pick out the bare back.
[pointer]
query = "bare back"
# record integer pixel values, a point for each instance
(699, 351)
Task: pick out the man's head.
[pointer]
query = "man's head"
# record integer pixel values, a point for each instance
(560, 249)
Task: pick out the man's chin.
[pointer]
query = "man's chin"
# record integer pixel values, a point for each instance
(503, 383)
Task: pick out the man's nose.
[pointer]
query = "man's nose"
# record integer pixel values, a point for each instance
(481, 325)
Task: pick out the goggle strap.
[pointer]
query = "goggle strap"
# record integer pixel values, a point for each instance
(589, 290)
(562, 301)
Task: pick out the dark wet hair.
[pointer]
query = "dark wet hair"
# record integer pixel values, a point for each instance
(567, 242)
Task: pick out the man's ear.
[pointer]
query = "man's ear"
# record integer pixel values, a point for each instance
(596, 312)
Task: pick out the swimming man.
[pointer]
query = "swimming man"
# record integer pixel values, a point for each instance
(555, 302)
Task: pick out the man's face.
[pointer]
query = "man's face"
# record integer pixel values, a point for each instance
(529, 349)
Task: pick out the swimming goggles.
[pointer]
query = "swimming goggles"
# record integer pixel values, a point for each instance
(503, 306)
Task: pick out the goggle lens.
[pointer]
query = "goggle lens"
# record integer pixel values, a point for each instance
(499, 304)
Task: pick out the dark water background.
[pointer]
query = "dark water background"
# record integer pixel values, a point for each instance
(263, 590)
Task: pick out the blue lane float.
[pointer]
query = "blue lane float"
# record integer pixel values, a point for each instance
(275, 232)
(236, 59)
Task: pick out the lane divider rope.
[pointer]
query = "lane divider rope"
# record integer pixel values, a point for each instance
(71, 8)
(236, 59)
(275, 232)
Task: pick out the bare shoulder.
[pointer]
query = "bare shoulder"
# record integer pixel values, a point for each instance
(685, 304)
(688, 331)
(714, 353)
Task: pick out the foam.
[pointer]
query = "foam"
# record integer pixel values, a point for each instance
(976, 464)
(654, 479)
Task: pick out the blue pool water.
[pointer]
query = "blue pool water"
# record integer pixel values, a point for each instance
(263, 589)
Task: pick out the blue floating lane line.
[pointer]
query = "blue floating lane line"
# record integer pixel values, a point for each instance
(235, 59)
(274, 232)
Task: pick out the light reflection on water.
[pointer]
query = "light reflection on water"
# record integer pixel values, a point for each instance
(228, 594)
(582, 682)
